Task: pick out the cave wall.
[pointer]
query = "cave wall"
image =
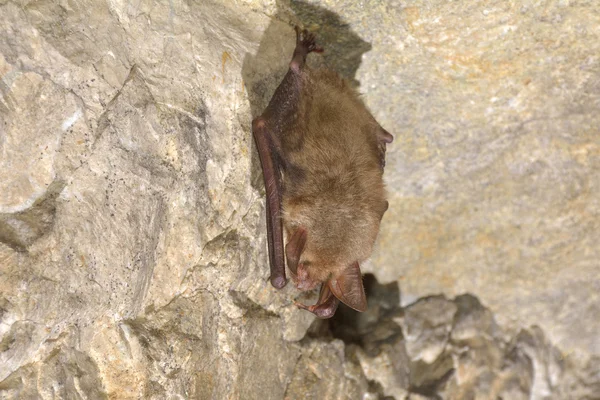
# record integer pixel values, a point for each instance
(132, 236)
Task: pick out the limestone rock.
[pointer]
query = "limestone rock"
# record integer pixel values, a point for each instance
(494, 172)
(132, 236)
(453, 349)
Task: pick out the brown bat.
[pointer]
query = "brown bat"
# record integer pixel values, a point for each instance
(322, 154)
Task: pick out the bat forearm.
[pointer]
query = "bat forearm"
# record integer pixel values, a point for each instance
(271, 175)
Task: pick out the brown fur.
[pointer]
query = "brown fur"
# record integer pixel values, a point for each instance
(332, 186)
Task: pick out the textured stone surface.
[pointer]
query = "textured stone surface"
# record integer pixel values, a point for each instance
(132, 246)
(454, 349)
(494, 176)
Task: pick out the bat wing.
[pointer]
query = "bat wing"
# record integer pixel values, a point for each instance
(266, 143)
(267, 130)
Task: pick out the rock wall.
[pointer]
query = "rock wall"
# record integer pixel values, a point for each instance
(132, 236)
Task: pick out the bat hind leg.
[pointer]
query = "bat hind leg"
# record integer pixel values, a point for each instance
(305, 43)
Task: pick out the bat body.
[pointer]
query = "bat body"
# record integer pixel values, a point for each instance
(322, 155)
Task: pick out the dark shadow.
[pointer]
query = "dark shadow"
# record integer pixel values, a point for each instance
(354, 327)
(373, 331)
(262, 72)
(19, 230)
(376, 330)
(383, 300)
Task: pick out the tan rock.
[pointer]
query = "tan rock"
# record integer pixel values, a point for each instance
(132, 236)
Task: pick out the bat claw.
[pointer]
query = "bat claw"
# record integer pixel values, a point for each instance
(307, 39)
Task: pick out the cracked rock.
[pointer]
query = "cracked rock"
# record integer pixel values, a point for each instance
(133, 259)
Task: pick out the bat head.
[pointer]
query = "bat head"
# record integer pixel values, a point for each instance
(327, 239)
(345, 283)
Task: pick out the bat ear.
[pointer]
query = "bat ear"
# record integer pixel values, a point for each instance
(384, 136)
(348, 287)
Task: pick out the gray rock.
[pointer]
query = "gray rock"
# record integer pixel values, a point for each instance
(453, 349)
(132, 235)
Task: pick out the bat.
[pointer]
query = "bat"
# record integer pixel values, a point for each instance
(322, 155)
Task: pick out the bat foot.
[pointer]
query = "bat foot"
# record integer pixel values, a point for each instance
(278, 281)
(307, 41)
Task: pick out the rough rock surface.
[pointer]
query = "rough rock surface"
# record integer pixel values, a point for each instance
(437, 348)
(132, 246)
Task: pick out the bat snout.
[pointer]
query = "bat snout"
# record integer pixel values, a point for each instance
(303, 280)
